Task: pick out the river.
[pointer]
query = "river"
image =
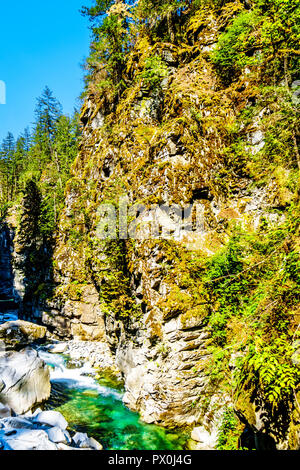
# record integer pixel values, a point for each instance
(95, 406)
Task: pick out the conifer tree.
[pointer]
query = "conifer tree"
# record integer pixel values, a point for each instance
(110, 28)
(7, 167)
(47, 112)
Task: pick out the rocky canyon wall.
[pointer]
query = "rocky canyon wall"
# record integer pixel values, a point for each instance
(186, 142)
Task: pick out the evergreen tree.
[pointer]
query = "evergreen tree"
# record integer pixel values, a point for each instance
(39, 164)
(7, 167)
(47, 113)
(27, 139)
(161, 16)
(110, 27)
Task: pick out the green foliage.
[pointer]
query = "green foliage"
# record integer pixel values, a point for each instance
(161, 17)
(229, 431)
(110, 28)
(30, 213)
(43, 156)
(254, 283)
(270, 30)
(226, 291)
(281, 126)
(155, 70)
(235, 48)
(3, 210)
(112, 278)
(269, 371)
(47, 112)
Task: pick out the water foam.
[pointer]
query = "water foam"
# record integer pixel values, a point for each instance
(80, 377)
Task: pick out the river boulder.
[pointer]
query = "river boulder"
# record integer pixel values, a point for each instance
(27, 439)
(25, 380)
(52, 418)
(19, 334)
(26, 433)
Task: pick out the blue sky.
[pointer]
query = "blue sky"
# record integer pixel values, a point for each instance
(41, 43)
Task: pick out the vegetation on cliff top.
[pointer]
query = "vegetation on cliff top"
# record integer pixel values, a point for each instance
(42, 156)
(248, 292)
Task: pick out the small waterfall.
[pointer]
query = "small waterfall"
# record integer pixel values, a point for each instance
(75, 378)
(98, 410)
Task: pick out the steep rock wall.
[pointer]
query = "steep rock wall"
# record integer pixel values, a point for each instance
(169, 144)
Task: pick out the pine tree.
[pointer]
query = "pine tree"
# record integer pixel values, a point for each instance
(110, 27)
(47, 112)
(7, 167)
(161, 16)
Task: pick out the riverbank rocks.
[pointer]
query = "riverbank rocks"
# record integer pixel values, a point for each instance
(18, 334)
(5, 411)
(94, 353)
(28, 433)
(58, 348)
(25, 380)
(84, 442)
(52, 418)
(206, 439)
(57, 435)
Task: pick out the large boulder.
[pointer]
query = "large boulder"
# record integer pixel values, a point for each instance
(27, 433)
(52, 418)
(25, 380)
(18, 334)
(27, 439)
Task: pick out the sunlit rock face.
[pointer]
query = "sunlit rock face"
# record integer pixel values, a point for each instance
(144, 295)
(133, 294)
(19, 334)
(25, 380)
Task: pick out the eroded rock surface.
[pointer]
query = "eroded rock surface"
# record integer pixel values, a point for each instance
(18, 334)
(25, 380)
(42, 431)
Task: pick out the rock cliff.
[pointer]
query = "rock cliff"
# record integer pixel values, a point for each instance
(179, 303)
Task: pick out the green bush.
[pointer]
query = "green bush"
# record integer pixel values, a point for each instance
(154, 72)
(235, 47)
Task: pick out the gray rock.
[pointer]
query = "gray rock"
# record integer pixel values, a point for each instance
(27, 439)
(20, 333)
(81, 440)
(17, 422)
(207, 439)
(5, 411)
(61, 446)
(26, 379)
(95, 445)
(36, 412)
(56, 435)
(52, 418)
(58, 348)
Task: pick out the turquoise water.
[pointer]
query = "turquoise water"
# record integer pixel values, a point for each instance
(97, 409)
